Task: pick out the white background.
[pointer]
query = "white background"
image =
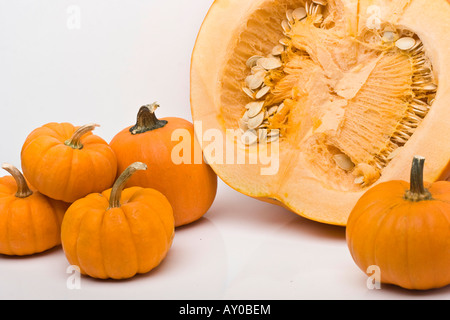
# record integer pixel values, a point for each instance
(126, 54)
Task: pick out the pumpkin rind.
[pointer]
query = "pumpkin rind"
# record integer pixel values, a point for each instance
(295, 186)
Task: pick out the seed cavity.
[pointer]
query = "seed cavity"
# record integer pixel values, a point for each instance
(350, 133)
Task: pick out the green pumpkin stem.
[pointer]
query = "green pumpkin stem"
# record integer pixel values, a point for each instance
(119, 185)
(146, 120)
(75, 141)
(417, 191)
(23, 191)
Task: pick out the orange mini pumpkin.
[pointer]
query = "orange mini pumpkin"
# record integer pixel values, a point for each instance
(190, 186)
(118, 234)
(404, 229)
(66, 162)
(29, 221)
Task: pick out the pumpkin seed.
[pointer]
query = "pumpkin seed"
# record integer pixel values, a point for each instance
(243, 125)
(248, 92)
(254, 81)
(299, 14)
(405, 43)
(261, 93)
(320, 2)
(430, 87)
(289, 16)
(388, 36)
(256, 121)
(273, 133)
(262, 135)
(273, 136)
(344, 162)
(249, 137)
(394, 153)
(284, 42)
(419, 62)
(420, 109)
(359, 180)
(278, 50)
(251, 62)
(398, 140)
(286, 26)
(245, 117)
(272, 110)
(254, 108)
(430, 100)
(312, 9)
(259, 71)
(270, 63)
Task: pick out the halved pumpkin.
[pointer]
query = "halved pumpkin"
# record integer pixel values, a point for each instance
(307, 104)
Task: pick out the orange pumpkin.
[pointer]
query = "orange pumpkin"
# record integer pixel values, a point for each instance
(404, 229)
(190, 186)
(29, 221)
(118, 233)
(66, 163)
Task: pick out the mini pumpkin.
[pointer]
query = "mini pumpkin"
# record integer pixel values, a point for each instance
(190, 186)
(404, 229)
(29, 221)
(66, 162)
(118, 233)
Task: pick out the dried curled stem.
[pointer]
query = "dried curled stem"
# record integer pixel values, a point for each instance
(23, 190)
(119, 185)
(417, 191)
(75, 141)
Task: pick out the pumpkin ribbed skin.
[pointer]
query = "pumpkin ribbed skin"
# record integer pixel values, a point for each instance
(63, 172)
(118, 243)
(190, 187)
(408, 240)
(28, 225)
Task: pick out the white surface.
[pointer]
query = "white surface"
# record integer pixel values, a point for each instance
(126, 54)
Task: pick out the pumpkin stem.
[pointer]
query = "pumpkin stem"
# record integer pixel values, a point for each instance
(417, 191)
(146, 120)
(116, 192)
(23, 191)
(75, 141)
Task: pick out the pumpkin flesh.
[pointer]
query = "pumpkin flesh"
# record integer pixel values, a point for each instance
(371, 94)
